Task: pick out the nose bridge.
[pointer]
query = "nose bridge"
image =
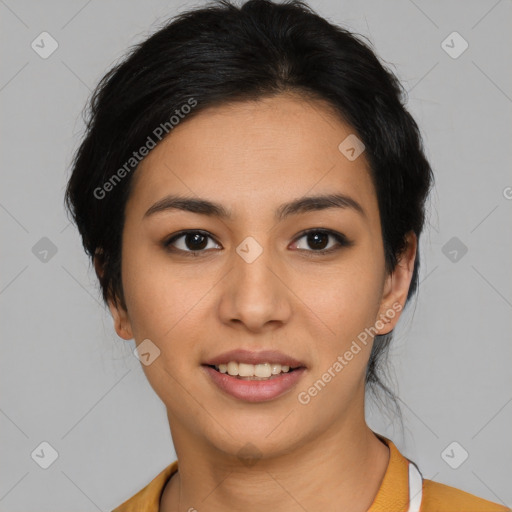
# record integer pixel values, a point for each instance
(256, 294)
(251, 261)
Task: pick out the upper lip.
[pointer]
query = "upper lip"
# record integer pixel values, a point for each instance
(248, 357)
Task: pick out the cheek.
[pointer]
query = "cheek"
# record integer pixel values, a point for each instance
(165, 301)
(348, 305)
(347, 301)
(350, 297)
(153, 296)
(161, 309)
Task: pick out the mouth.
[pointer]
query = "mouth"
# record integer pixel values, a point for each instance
(254, 376)
(249, 359)
(245, 371)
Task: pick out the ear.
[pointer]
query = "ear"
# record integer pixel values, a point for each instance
(119, 314)
(396, 287)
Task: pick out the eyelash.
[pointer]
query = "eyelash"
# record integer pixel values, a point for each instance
(339, 237)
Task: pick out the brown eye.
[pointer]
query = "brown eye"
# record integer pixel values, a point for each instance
(322, 241)
(317, 240)
(190, 242)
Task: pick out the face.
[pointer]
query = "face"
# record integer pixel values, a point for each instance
(262, 269)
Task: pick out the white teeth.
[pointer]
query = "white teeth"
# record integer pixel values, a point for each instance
(263, 370)
(232, 368)
(245, 370)
(276, 369)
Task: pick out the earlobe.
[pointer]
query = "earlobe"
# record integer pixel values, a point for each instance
(397, 286)
(119, 314)
(121, 321)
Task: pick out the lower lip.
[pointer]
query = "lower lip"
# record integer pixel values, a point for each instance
(255, 390)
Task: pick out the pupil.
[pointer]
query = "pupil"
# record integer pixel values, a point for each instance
(196, 240)
(318, 240)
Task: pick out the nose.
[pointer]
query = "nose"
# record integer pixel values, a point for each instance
(254, 293)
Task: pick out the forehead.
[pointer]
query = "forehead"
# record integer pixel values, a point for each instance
(250, 153)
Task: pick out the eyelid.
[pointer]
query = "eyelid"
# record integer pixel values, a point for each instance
(341, 239)
(168, 241)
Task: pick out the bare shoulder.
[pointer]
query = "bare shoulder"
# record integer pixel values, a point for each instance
(443, 498)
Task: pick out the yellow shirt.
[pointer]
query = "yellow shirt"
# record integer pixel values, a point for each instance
(392, 496)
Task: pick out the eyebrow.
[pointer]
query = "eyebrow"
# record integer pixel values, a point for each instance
(295, 207)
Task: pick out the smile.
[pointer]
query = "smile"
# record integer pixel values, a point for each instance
(252, 371)
(254, 388)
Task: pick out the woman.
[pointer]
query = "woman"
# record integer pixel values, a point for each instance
(251, 190)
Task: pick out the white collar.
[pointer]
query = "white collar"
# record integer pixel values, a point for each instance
(415, 488)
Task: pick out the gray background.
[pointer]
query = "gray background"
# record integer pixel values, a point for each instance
(68, 380)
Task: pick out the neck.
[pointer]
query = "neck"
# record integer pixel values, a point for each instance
(342, 470)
